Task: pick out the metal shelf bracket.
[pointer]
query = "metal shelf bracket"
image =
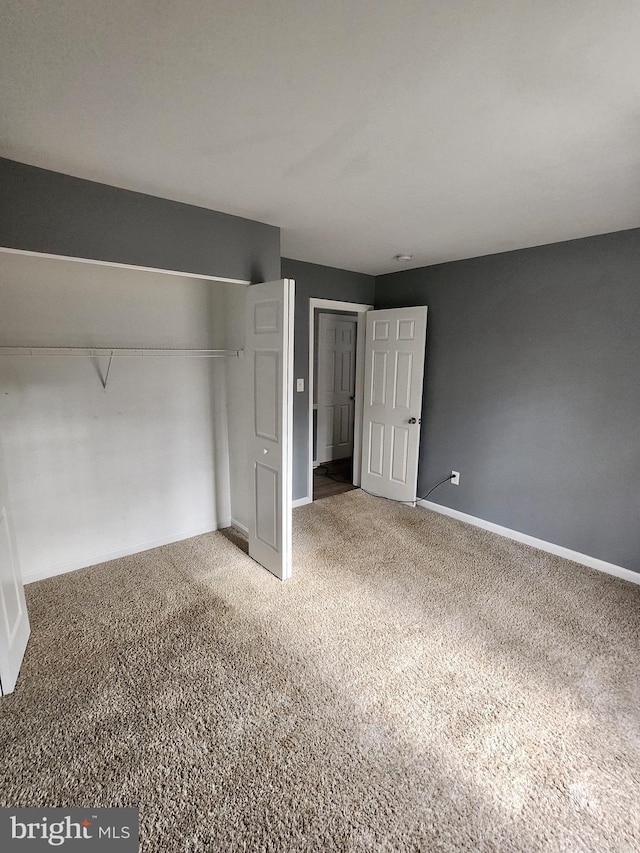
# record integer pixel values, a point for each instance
(105, 381)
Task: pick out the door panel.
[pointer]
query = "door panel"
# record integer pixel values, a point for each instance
(380, 330)
(378, 395)
(336, 386)
(402, 381)
(399, 453)
(14, 621)
(265, 371)
(269, 346)
(10, 600)
(267, 481)
(376, 449)
(394, 367)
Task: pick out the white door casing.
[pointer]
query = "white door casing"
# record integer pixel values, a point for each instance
(269, 347)
(360, 310)
(394, 369)
(336, 386)
(14, 621)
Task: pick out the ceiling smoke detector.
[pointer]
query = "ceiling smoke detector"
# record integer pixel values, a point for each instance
(403, 258)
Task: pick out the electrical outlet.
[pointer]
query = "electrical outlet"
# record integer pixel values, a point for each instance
(455, 478)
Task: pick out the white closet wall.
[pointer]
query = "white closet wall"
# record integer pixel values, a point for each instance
(93, 474)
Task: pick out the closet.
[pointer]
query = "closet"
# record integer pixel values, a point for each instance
(137, 408)
(125, 407)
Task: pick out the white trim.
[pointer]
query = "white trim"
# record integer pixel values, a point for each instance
(241, 528)
(541, 544)
(121, 266)
(301, 502)
(288, 391)
(360, 309)
(334, 305)
(96, 559)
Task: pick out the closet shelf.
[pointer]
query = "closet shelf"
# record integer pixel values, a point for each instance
(118, 352)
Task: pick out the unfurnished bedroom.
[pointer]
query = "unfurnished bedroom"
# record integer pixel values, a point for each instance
(319, 405)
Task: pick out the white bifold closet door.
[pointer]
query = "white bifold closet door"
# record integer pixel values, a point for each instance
(269, 347)
(14, 622)
(394, 368)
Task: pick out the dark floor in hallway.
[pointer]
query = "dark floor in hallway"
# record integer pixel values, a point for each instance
(333, 478)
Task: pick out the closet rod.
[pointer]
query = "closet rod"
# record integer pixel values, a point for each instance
(117, 352)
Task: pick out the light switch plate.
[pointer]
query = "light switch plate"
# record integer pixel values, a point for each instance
(300, 385)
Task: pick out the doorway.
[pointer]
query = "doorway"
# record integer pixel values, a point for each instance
(336, 383)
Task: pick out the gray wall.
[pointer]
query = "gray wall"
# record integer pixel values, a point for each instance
(43, 211)
(532, 389)
(318, 282)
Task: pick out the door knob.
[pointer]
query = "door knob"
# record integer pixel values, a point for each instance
(413, 421)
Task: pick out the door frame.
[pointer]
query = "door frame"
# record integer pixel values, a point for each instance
(360, 309)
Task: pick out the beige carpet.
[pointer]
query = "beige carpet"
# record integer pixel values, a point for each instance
(419, 685)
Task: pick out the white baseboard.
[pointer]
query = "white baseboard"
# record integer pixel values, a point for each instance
(240, 527)
(301, 501)
(541, 544)
(96, 559)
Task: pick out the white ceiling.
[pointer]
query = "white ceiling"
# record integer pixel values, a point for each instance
(445, 129)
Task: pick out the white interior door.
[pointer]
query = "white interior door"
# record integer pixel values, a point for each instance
(394, 368)
(269, 347)
(14, 622)
(336, 386)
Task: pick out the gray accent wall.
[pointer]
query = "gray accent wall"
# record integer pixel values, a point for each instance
(43, 211)
(532, 389)
(315, 282)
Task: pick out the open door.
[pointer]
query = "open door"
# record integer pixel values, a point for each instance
(269, 347)
(394, 369)
(336, 386)
(14, 622)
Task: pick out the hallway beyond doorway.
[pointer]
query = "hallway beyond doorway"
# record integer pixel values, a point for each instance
(333, 478)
